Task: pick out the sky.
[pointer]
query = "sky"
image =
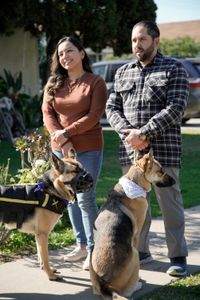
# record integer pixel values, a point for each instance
(177, 10)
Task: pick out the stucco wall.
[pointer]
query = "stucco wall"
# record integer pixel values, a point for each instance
(19, 52)
(180, 29)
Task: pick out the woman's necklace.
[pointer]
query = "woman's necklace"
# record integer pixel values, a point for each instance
(71, 84)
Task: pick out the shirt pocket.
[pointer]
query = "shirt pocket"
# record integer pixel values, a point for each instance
(123, 86)
(127, 91)
(156, 89)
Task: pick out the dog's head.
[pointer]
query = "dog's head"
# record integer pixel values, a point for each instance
(153, 171)
(68, 176)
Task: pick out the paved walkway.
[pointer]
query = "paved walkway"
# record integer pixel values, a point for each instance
(23, 280)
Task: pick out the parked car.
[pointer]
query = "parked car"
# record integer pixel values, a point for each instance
(192, 66)
(107, 69)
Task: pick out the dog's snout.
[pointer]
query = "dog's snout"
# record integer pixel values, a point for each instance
(166, 181)
(88, 178)
(84, 182)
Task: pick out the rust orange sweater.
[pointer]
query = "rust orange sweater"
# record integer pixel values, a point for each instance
(78, 112)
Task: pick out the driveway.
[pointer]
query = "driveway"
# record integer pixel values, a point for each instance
(191, 127)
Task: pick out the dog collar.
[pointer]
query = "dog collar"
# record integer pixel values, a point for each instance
(40, 186)
(131, 189)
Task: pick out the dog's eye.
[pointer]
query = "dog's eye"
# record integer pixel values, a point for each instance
(160, 172)
(78, 170)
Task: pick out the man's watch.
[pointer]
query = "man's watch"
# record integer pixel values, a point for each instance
(142, 136)
(66, 134)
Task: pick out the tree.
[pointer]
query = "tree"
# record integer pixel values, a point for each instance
(180, 47)
(129, 12)
(98, 23)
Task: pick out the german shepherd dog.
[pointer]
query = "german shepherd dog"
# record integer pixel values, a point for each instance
(43, 204)
(114, 262)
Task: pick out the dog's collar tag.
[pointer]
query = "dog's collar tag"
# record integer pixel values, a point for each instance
(131, 189)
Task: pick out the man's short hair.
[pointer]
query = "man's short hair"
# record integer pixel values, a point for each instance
(152, 28)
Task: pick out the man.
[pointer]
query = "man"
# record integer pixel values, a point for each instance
(146, 108)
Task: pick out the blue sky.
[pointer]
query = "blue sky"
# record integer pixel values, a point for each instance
(177, 10)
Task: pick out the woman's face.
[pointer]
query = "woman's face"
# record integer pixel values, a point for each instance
(70, 57)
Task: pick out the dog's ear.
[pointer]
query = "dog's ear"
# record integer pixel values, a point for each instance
(149, 159)
(72, 153)
(151, 154)
(142, 162)
(146, 161)
(58, 163)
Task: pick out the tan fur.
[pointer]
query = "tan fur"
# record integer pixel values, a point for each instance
(114, 268)
(43, 220)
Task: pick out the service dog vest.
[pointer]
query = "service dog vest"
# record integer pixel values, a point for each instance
(18, 202)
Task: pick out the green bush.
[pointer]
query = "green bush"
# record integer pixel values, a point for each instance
(27, 106)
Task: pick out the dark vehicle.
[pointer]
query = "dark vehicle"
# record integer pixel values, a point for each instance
(192, 66)
(107, 69)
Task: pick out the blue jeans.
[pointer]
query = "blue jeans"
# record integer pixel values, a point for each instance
(83, 213)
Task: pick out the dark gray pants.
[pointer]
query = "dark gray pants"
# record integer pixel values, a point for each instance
(171, 205)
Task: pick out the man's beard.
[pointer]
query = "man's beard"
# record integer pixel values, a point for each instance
(147, 53)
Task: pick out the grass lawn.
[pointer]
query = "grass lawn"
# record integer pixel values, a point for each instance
(183, 289)
(111, 171)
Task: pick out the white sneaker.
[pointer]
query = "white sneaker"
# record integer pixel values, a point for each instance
(86, 264)
(76, 255)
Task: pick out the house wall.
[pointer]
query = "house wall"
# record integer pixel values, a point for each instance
(180, 29)
(19, 52)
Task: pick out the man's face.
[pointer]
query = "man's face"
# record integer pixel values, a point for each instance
(144, 47)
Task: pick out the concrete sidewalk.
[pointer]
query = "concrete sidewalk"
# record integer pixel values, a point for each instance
(23, 280)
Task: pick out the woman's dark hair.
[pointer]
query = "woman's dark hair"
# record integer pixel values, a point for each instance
(152, 28)
(57, 69)
(59, 74)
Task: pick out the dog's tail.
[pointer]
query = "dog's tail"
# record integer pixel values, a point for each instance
(108, 292)
(103, 287)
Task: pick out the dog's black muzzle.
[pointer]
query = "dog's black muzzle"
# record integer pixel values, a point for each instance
(166, 181)
(82, 182)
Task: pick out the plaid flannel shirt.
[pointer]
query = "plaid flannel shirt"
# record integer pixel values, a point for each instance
(153, 99)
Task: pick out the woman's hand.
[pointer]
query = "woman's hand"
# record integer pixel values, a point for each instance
(57, 136)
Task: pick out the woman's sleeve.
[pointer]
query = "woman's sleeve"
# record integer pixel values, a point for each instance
(49, 114)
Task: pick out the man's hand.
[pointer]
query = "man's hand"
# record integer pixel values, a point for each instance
(133, 139)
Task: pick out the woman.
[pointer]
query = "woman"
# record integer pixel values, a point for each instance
(73, 103)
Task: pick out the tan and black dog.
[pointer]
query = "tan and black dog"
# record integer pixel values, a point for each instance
(114, 263)
(37, 208)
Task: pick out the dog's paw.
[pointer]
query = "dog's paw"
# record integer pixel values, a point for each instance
(138, 286)
(116, 296)
(54, 277)
(54, 270)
